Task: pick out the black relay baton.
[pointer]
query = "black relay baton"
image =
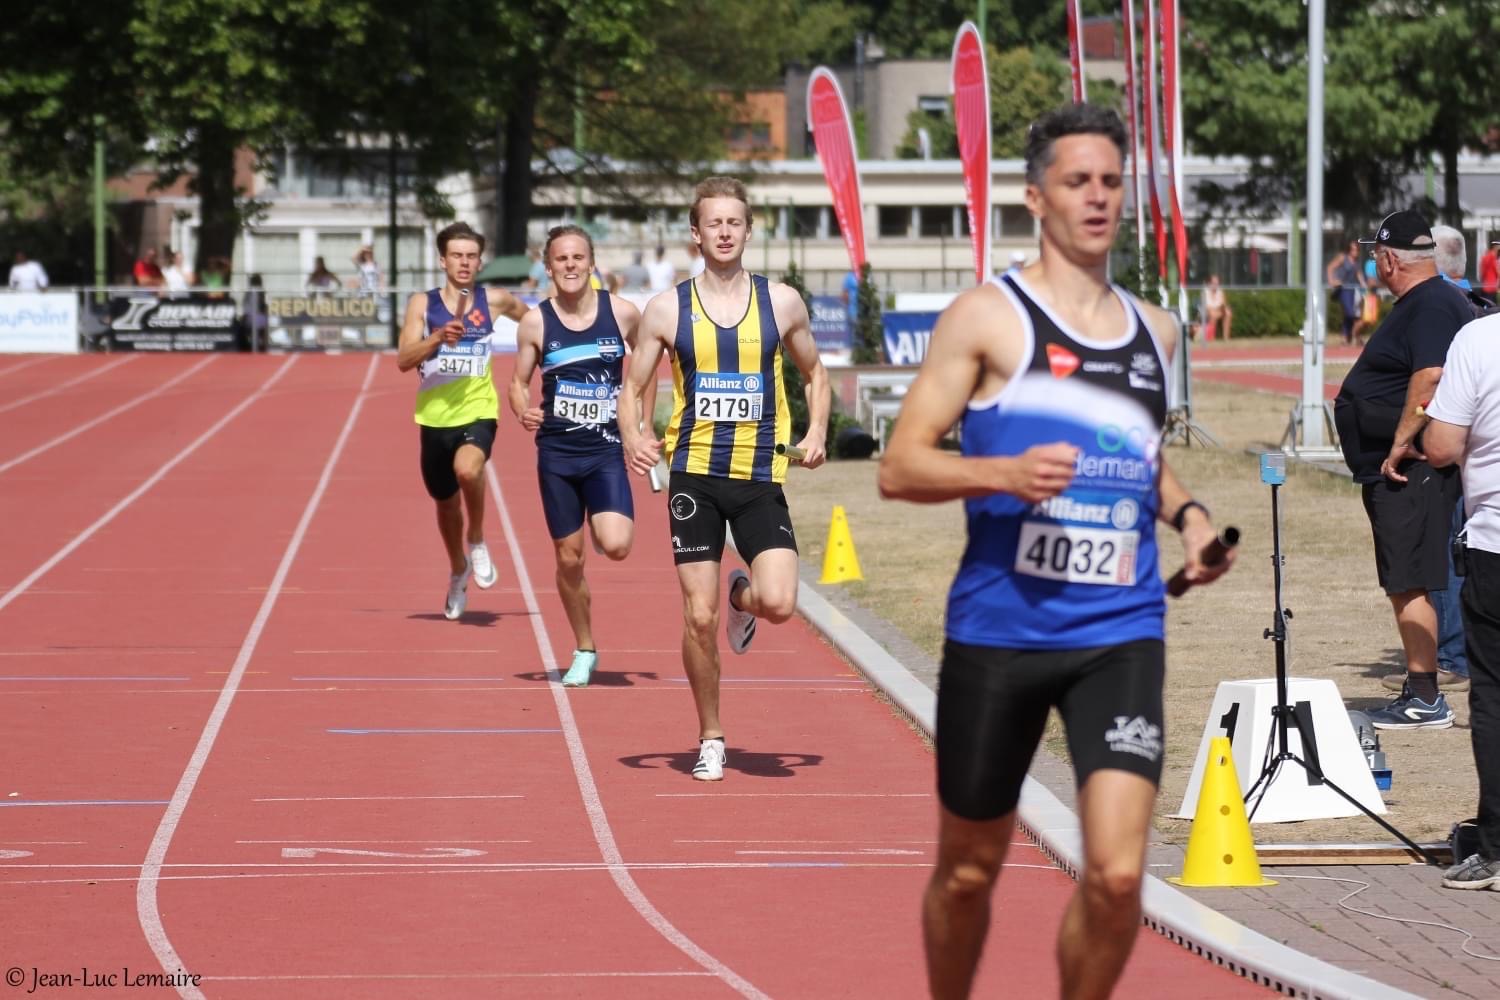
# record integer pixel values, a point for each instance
(1214, 553)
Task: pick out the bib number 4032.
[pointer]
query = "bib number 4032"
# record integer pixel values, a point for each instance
(1077, 555)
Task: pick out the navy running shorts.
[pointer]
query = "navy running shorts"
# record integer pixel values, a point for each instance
(574, 487)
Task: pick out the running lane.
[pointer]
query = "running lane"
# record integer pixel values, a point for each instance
(113, 657)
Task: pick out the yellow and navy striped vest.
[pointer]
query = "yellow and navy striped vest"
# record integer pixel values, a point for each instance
(456, 387)
(729, 407)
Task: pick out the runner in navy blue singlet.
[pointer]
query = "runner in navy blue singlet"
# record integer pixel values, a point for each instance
(1058, 383)
(578, 338)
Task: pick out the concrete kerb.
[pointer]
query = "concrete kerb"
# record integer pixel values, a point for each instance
(1054, 827)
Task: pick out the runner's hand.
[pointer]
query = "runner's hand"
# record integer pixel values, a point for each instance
(643, 453)
(1197, 534)
(452, 331)
(814, 451)
(1039, 472)
(532, 418)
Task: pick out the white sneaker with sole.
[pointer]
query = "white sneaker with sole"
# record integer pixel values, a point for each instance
(739, 626)
(458, 594)
(482, 565)
(710, 766)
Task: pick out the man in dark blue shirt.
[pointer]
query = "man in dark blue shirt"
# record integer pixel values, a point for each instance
(1380, 415)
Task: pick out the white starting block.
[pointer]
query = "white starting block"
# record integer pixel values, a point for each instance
(1242, 712)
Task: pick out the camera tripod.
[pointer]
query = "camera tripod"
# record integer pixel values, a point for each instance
(1284, 716)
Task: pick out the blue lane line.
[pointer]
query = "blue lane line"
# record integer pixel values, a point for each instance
(83, 802)
(398, 678)
(94, 678)
(418, 732)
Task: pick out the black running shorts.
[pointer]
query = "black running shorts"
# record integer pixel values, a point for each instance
(439, 447)
(992, 706)
(701, 506)
(1411, 522)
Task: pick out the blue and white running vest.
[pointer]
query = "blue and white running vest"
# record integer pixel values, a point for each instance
(1077, 570)
(581, 377)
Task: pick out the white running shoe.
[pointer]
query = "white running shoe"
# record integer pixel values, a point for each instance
(458, 594)
(739, 626)
(710, 766)
(482, 565)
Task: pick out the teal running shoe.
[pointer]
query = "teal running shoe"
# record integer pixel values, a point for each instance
(584, 662)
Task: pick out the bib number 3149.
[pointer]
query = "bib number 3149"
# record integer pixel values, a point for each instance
(1075, 554)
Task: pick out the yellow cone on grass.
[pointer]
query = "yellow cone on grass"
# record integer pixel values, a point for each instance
(1220, 850)
(840, 563)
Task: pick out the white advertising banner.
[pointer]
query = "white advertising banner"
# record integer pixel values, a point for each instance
(38, 323)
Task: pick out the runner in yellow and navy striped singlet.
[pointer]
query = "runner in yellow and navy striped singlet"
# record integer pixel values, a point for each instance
(446, 336)
(728, 333)
(729, 399)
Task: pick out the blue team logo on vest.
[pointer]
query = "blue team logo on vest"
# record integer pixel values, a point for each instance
(609, 348)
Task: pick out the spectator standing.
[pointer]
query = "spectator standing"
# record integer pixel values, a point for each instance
(367, 274)
(660, 271)
(174, 280)
(1464, 427)
(1453, 264)
(1489, 271)
(1379, 416)
(26, 275)
(1343, 273)
(634, 277)
(1216, 309)
(321, 279)
(147, 272)
(253, 313)
(537, 278)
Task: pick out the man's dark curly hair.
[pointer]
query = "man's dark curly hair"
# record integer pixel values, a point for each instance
(1070, 119)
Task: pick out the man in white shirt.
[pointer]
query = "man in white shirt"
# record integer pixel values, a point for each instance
(1464, 427)
(27, 275)
(661, 272)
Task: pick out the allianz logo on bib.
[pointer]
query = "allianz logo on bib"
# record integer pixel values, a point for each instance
(1121, 514)
(715, 382)
(1135, 736)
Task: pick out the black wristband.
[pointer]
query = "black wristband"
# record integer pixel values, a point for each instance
(1177, 518)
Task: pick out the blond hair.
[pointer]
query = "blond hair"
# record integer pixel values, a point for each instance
(720, 187)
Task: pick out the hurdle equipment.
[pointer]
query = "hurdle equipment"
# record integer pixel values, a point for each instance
(1220, 850)
(840, 562)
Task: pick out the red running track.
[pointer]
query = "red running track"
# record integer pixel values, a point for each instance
(243, 743)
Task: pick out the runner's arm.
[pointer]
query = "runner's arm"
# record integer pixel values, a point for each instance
(914, 467)
(797, 338)
(509, 305)
(628, 319)
(414, 348)
(642, 449)
(528, 353)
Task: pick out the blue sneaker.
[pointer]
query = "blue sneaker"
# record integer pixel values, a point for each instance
(1410, 712)
(584, 662)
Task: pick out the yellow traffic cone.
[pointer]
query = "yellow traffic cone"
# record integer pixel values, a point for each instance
(840, 562)
(1220, 851)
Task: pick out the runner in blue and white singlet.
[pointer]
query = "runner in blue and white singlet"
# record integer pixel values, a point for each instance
(1056, 381)
(580, 382)
(1084, 562)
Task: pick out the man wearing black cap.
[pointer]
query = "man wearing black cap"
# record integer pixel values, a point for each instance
(1380, 415)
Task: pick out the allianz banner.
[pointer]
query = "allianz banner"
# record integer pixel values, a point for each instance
(906, 336)
(148, 322)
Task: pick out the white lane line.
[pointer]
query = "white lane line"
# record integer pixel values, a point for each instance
(385, 798)
(145, 896)
(437, 976)
(141, 490)
(429, 840)
(794, 795)
(603, 835)
(26, 364)
(137, 401)
(68, 384)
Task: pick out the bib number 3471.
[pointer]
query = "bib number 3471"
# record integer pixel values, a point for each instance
(1075, 554)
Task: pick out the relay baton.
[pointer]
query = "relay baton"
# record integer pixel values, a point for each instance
(1214, 553)
(791, 451)
(655, 480)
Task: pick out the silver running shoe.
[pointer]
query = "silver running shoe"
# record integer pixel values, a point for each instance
(710, 766)
(458, 594)
(482, 565)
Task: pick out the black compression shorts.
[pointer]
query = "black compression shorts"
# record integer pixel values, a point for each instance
(992, 706)
(701, 505)
(439, 447)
